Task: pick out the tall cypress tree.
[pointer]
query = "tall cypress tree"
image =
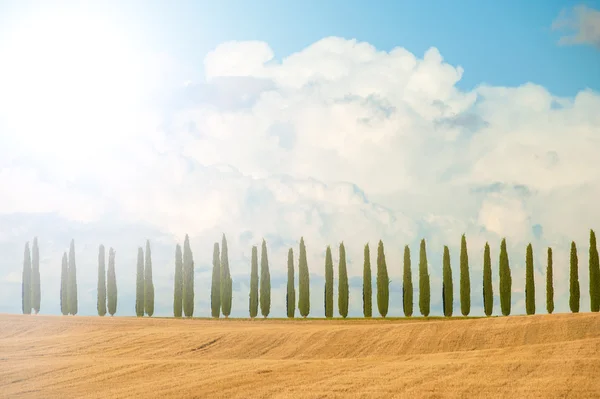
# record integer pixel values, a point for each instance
(188, 278)
(549, 284)
(139, 287)
(178, 283)
(505, 280)
(254, 283)
(101, 305)
(529, 282)
(465, 279)
(265, 281)
(574, 280)
(290, 297)
(226, 283)
(367, 285)
(424, 288)
(594, 274)
(148, 283)
(64, 286)
(304, 282)
(111, 283)
(328, 284)
(72, 291)
(215, 288)
(407, 285)
(383, 282)
(35, 277)
(26, 282)
(488, 291)
(447, 286)
(343, 295)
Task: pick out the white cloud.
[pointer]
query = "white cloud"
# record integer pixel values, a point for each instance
(585, 24)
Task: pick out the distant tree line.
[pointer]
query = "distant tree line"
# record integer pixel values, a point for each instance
(260, 282)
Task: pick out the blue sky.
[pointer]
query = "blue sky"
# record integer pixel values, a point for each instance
(122, 121)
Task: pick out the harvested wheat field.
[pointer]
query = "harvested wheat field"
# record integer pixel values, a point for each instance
(541, 356)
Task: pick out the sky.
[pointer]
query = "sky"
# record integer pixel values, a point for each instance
(127, 121)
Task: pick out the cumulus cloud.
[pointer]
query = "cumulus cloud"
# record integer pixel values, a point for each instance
(583, 22)
(337, 142)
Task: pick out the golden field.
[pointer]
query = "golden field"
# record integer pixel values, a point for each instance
(544, 356)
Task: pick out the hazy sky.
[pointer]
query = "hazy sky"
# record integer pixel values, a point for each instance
(343, 121)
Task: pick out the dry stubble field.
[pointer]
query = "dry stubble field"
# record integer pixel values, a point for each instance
(541, 356)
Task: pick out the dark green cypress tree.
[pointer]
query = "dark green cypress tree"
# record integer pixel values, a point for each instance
(447, 286)
(26, 282)
(178, 283)
(465, 278)
(148, 283)
(407, 285)
(424, 287)
(254, 283)
(265, 282)
(226, 283)
(35, 277)
(549, 284)
(343, 295)
(139, 288)
(383, 282)
(64, 286)
(328, 284)
(290, 297)
(304, 282)
(529, 282)
(574, 280)
(72, 291)
(505, 280)
(101, 304)
(188, 279)
(488, 291)
(111, 283)
(594, 274)
(215, 288)
(367, 285)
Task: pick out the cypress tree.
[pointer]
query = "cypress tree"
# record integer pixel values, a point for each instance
(265, 282)
(303, 282)
(367, 285)
(594, 274)
(290, 297)
(505, 280)
(549, 284)
(529, 282)
(488, 291)
(328, 284)
(407, 285)
(215, 288)
(72, 290)
(178, 283)
(226, 283)
(254, 283)
(101, 305)
(447, 286)
(424, 288)
(343, 296)
(188, 278)
(111, 283)
(383, 282)
(139, 288)
(35, 277)
(574, 280)
(465, 279)
(26, 282)
(148, 283)
(64, 286)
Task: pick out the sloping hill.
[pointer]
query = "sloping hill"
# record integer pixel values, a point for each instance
(535, 356)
